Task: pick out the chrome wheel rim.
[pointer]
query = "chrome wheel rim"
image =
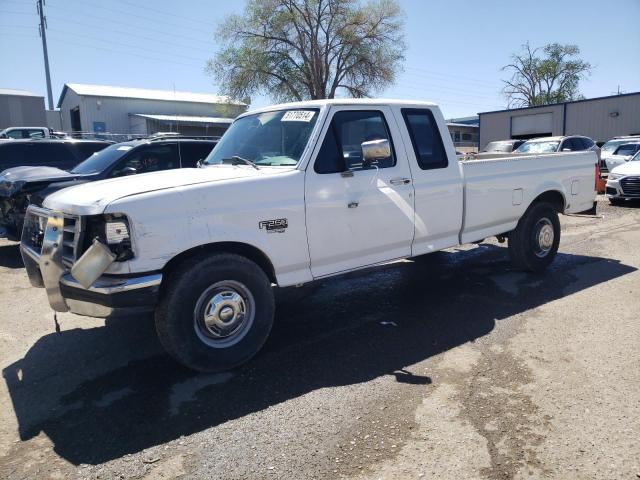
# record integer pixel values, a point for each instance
(544, 236)
(224, 314)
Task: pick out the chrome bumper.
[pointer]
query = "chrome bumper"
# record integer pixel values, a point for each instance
(107, 296)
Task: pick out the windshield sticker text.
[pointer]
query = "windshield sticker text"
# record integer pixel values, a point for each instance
(298, 116)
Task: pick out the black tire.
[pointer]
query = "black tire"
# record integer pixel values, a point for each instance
(616, 202)
(219, 283)
(534, 243)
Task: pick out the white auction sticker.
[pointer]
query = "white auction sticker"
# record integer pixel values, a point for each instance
(298, 116)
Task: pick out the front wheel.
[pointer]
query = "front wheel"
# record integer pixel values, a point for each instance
(216, 312)
(534, 242)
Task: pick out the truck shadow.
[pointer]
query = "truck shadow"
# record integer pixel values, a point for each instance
(10, 255)
(101, 393)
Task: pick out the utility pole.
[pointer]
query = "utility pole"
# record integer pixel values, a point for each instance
(43, 35)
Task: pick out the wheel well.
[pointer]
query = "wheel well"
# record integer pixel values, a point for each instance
(554, 197)
(248, 251)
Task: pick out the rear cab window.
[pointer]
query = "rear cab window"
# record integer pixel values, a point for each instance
(425, 138)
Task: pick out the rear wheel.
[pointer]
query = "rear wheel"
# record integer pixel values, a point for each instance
(534, 242)
(216, 312)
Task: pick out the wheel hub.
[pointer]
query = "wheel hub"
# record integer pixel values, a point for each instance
(544, 237)
(223, 314)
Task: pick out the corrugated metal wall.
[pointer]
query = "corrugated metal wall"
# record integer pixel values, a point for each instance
(22, 111)
(600, 119)
(606, 118)
(114, 112)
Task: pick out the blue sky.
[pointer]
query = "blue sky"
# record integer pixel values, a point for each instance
(455, 49)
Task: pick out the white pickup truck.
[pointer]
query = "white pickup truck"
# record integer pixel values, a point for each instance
(292, 193)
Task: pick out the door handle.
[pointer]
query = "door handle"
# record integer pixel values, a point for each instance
(353, 204)
(400, 181)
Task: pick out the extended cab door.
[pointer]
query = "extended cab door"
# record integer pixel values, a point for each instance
(437, 178)
(357, 215)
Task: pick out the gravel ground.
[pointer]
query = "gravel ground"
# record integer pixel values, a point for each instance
(452, 366)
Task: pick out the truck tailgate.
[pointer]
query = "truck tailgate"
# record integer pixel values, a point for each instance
(497, 191)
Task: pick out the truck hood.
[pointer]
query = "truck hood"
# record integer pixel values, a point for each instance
(628, 168)
(92, 198)
(37, 174)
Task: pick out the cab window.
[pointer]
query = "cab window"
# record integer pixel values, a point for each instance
(425, 138)
(341, 149)
(149, 158)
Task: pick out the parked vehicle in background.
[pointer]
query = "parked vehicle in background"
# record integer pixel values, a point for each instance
(502, 146)
(610, 147)
(60, 153)
(624, 181)
(26, 132)
(572, 143)
(623, 153)
(22, 186)
(292, 193)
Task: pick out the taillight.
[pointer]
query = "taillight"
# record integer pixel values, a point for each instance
(597, 175)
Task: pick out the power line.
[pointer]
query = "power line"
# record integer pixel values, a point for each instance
(128, 33)
(165, 12)
(136, 26)
(136, 47)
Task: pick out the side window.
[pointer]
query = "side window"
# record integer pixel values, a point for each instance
(51, 154)
(341, 149)
(16, 134)
(12, 155)
(587, 143)
(425, 137)
(149, 158)
(192, 152)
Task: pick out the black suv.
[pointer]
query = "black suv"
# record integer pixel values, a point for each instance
(22, 186)
(57, 153)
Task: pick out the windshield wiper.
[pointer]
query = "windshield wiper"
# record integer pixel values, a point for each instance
(236, 160)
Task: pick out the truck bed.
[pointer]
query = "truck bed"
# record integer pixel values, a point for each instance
(502, 187)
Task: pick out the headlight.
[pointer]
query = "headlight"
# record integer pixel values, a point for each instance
(116, 232)
(615, 176)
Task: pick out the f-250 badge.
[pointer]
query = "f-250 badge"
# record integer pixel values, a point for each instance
(274, 226)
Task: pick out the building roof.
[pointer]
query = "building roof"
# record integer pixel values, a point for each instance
(143, 93)
(18, 93)
(467, 125)
(562, 103)
(184, 118)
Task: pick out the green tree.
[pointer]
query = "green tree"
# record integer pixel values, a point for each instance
(540, 80)
(309, 49)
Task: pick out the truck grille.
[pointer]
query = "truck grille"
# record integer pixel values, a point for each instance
(35, 223)
(631, 186)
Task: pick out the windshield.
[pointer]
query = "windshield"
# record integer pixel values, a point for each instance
(627, 149)
(539, 147)
(270, 139)
(498, 147)
(102, 160)
(611, 145)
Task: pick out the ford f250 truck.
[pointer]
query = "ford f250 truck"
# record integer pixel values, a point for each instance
(292, 193)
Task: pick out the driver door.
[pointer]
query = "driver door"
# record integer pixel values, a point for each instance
(357, 214)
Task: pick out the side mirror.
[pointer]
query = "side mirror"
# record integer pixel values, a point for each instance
(129, 171)
(375, 150)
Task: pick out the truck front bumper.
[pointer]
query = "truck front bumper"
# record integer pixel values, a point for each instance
(47, 267)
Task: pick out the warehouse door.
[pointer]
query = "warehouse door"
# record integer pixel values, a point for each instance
(530, 126)
(76, 126)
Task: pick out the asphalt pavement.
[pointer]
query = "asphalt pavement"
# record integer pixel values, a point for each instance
(451, 366)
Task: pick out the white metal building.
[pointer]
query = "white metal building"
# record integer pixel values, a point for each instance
(20, 108)
(137, 111)
(598, 118)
